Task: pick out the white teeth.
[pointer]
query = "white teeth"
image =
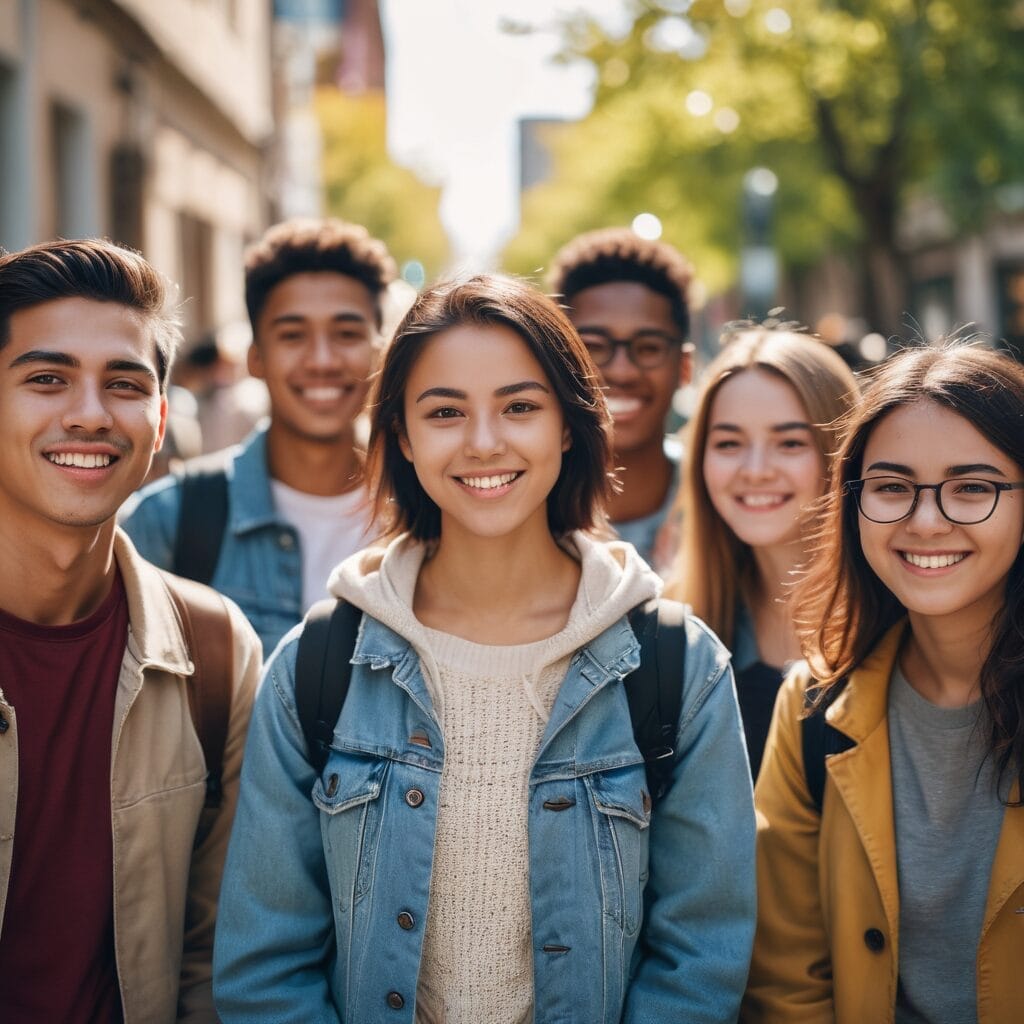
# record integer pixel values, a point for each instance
(761, 500)
(79, 459)
(323, 394)
(933, 561)
(486, 483)
(623, 406)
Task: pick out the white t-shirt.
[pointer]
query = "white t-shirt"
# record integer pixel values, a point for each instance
(330, 529)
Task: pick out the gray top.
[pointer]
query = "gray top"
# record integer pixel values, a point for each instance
(947, 818)
(642, 533)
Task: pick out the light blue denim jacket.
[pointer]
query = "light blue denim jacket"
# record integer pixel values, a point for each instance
(260, 565)
(637, 918)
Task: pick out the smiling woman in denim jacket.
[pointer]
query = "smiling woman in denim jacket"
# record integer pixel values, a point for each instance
(480, 845)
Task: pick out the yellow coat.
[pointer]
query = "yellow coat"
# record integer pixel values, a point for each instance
(827, 944)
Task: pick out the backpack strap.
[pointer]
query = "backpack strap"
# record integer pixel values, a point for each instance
(323, 671)
(819, 740)
(206, 624)
(202, 517)
(654, 691)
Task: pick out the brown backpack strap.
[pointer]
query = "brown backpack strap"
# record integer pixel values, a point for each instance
(206, 623)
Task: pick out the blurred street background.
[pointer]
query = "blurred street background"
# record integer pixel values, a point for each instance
(859, 162)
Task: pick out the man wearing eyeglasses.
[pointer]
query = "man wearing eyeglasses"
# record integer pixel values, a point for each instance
(627, 297)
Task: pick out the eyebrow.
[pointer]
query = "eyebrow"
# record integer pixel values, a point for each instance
(65, 359)
(964, 470)
(299, 318)
(777, 428)
(502, 392)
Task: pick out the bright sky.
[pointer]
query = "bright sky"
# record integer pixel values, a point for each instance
(457, 85)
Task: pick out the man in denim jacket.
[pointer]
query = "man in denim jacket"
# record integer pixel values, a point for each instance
(296, 498)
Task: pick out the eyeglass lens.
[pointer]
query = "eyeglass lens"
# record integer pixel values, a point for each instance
(646, 349)
(886, 499)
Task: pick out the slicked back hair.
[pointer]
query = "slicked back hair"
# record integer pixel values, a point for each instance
(577, 500)
(307, 245)
(92, 268)
(610, 255)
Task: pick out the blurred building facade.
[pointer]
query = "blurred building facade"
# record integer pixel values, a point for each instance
(144, 121)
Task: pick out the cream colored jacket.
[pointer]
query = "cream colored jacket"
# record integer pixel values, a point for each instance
(165, 887)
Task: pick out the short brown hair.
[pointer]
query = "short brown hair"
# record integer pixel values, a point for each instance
(619, 254)
(310, 245)
(92, 268)
(577, 500)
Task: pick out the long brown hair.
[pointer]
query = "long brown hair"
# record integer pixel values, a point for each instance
(842, 608)
(714, 567)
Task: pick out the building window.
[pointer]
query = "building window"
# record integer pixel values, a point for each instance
(74, 212)
(196, 274)
(1010, 281)
(10, 152)
(933, 307)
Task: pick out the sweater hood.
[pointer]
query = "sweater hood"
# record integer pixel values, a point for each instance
(614, 579)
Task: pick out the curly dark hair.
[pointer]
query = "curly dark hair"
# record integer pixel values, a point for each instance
(619, 254)
(308, 245)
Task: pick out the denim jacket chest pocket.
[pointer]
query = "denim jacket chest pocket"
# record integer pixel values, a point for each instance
(347, 793)
(622, 821)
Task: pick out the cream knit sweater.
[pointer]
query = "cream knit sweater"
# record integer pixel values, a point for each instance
(492, 704)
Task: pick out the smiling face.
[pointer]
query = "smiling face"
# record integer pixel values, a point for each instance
(762, 466)
(639, 400)
(936, 568)
(484, 431)
(81, 413)
(314, 349)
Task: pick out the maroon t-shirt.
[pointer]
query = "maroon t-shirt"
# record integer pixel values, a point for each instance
(57, 945)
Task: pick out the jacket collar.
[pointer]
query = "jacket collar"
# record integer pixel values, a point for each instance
(155, 638)
(862, 706)
(250, 500)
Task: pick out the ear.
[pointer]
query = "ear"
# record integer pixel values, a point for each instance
(686, 364)
(161, 429)
(403, 440)
(254, 361)
(566, 439)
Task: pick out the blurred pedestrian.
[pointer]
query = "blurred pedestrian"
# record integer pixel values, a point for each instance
(891, 872)
(274, 516)
(115, 801)
(627, 297)
(482, 843)
(758, 454)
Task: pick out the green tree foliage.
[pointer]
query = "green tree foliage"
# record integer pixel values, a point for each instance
(363, 184)
(858, 106)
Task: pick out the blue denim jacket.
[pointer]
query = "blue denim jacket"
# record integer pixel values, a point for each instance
(260, 565)
(636, 918)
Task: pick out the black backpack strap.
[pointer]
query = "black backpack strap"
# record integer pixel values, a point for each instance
(654, 691)
(323, 670)
(820, 740)
(202, 517)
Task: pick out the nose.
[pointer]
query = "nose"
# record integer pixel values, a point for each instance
(756, 463)
(484, 438)
(321, 353)
(621, 368)
(87, 410)
(927, 520)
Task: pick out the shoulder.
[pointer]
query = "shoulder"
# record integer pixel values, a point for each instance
(154, 500)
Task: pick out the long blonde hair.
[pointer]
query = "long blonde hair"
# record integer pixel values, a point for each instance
(713, 567)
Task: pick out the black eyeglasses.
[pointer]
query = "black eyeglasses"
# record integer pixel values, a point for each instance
(647, 349)
(965, 501)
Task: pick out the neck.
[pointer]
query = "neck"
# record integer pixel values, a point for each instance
(497, 590)
(646, 475)
(942, 657)
(58, 578)
(777, 639)
(323, 468)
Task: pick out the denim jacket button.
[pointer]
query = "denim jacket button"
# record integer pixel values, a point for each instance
(406, 921)
(285, 541)
(414, 797)
(395, 1000)
(332, 785)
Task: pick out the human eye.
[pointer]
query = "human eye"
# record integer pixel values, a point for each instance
(443, 412)
(45, 380)
(970, 488)
(726, 444)
(129, 385)
(521, 406)
(887, 485)
(793, 444)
